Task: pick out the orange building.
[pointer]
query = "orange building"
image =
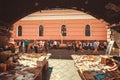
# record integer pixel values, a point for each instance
(60, 25)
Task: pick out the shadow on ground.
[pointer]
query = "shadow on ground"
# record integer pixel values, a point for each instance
(66, 54)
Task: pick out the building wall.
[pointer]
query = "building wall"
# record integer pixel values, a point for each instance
(52, 29)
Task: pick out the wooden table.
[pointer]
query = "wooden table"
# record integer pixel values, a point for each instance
(90, 67)
(23, 71)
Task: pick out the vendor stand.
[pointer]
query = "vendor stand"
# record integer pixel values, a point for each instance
(29, 67)
(91, 67)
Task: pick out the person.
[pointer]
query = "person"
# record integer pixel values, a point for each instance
(95, 44)
(68, 45)
(46, 45)
(105, 45)
(49, 43)
(12, 48)
(101, 46)
(55, 44)
(84, 45)
(21, 46)
(26, 43)
(36, 46)
(76, 46)
(80, 45)
(91, 46)
(88, 45)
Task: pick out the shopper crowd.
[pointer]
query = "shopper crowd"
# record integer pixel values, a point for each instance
(87, 45)
(39, 46)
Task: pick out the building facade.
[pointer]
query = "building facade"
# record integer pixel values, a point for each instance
(59, 25)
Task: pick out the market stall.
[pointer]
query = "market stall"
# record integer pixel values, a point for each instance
(27, 67)
(91, 67)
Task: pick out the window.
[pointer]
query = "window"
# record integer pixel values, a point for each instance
(63, 30)
(40, 30)
(19, 30)
(87, 30)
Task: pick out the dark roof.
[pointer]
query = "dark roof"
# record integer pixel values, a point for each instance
(13, 10)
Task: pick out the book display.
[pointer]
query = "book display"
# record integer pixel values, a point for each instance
(91, 67)
(27, 67)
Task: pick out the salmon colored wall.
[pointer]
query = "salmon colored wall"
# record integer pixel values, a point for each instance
(75, 29)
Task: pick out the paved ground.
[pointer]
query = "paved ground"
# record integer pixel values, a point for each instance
(63, 66)
(66, 54)
(63, 70)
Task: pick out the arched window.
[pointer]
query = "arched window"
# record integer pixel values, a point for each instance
(19, 30)
(87, 30)
(63, 30)
(40, 30)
